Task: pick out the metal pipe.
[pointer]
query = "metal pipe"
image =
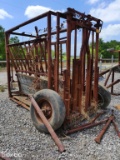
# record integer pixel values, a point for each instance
(49, 51)
(112, 84)
(47, 124)
(99, 137)
(8, 62)
(116, 128)
(98, 115)
(85, 126)
(56, 76)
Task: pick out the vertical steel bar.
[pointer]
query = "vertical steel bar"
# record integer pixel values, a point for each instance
(119, 58)
(66, 93)
(27, 62)
(67, 71)
(18, 49)
(96, 70)
(92, 44)
(82, 68)
(88, 85)
(88, 74)
(75, 83)
(112, 87)
(49, 51)
(75, 43)
(46, 64)
(16, 53)
(8, 62)
(61, 58)
(57, 55)
(11, 56)
(68, 43)
(15, 58)
(41, 56)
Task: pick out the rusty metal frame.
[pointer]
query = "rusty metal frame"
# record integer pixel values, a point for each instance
(111, 74)
(79, 77)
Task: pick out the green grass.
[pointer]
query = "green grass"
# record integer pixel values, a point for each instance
(2, 88)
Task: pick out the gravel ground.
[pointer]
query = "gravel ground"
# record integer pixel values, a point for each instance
(19, 139)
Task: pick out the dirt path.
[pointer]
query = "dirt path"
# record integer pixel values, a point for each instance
(3, 77)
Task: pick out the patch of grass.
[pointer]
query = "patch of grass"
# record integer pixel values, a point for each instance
(2, 69)
(2, 88)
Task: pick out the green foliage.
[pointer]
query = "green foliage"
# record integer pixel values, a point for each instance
(2, 88)
(2, 44)
(103, 46)
(14, 40)
(64, 56)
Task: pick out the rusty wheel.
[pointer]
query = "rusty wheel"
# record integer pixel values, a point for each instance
(104, 97)
(53, 108)
(46, 109)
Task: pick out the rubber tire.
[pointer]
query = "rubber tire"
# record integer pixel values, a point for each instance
(58, 110)
(104, 96)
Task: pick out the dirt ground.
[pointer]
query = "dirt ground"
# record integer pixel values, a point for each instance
(3, 76)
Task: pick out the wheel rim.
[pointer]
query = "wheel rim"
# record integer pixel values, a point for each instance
(46, 108)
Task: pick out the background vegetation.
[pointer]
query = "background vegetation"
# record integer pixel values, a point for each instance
(103, 46)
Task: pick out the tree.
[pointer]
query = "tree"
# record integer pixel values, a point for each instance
(103, 46)
(14, 40)
(2, 44)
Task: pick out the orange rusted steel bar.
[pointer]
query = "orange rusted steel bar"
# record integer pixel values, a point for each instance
(7, 36)
(20, 55)
(32, 72)
(91, 77)
(116, 94)
(67, 72)
(23, 55)
(49, 51)
(113, 75)
(95, 93)
(14, 51)
(104, 72)
(68, 42)
(119, 58)
(99, 137)
(98, 115)
(56, 75)
(88, 74)
(75, 43)
(107, 78)
(116, 128)
(66, 92)
(82, 70)
(85, 126)
(92, 44)
(115, 82)
(96, 71)
(47, 124)
(88, 86)
(27, 62)
(75, 83)
(20, 103)
(61, 59)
